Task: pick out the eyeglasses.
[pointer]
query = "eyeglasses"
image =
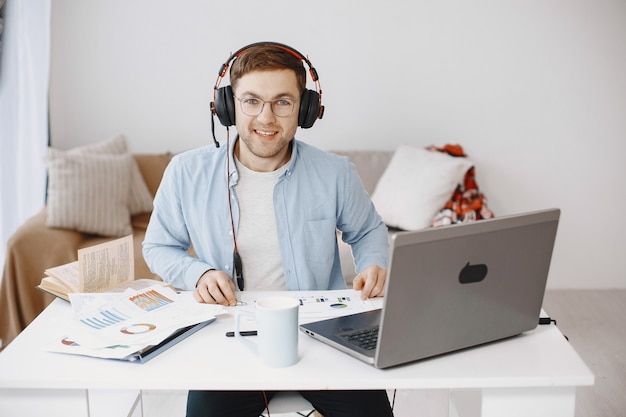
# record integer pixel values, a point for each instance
(252, 106)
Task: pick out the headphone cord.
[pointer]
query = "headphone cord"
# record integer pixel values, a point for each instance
(237, 264)
(267, 404)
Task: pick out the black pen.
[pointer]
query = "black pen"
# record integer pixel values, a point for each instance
(244, 333)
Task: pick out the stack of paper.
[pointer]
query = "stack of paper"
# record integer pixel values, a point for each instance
(122, 325)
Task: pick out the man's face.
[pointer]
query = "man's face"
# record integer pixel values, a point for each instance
(265, 138)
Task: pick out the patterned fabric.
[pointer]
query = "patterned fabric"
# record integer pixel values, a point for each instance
(467, 202)
(96, 188)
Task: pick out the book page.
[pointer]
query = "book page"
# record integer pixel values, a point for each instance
(66, 277)
(106, 265)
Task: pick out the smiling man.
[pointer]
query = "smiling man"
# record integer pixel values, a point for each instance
(262, 213)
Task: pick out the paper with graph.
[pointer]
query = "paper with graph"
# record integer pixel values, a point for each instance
(115, 326)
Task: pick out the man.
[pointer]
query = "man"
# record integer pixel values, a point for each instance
(262, 214)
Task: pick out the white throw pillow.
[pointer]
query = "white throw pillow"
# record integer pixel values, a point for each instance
(89, 193)
(415, 186)
(140, 198)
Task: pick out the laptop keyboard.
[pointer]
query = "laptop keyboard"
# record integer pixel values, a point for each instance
(363, 338)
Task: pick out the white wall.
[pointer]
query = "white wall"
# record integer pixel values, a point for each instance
(534, 90)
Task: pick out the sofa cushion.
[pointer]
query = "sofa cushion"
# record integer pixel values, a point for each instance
(96, 188)
(140, 198)
(370, 165)
(90, 193)
(416, 184)
(152, 167)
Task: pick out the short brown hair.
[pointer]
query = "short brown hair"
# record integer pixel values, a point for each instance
(267, 57)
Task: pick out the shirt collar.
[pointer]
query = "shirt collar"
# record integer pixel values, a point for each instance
(234, 175)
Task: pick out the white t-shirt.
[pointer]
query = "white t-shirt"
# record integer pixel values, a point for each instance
(257, 238)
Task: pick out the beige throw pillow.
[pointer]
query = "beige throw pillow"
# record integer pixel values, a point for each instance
(89, 193)
(415, 186)
(140, 199)
(96, 188)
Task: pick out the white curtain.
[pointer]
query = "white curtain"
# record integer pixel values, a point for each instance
(24, 69)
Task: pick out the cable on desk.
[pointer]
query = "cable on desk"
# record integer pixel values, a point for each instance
(546, 320)
(549, 320)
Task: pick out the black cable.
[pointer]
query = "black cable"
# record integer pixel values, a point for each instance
(546, 320)
(549, 320)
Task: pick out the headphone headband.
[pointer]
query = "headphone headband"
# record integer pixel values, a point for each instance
(282, 46)
(223, 105)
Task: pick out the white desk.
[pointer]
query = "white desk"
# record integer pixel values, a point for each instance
(534, 374)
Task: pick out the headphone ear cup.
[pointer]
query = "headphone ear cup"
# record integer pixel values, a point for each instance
(309, 108)
(225, 106)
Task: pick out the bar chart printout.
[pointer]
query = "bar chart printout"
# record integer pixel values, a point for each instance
(150, 300)
(117, 325)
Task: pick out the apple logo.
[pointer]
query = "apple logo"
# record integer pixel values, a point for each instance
(472, 273)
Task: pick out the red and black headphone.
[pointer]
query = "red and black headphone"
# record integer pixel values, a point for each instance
(310, 108)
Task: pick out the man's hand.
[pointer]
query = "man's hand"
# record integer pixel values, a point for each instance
(215, 287)
(371, 282)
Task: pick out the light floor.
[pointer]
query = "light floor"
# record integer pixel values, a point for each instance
(593, 320)
(595, 323)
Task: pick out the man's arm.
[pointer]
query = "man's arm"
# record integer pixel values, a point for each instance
(167, 242)
(364, 230)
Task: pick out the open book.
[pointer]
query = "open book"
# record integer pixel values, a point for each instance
(107, 267)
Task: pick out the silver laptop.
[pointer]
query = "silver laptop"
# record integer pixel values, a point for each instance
(451, 288)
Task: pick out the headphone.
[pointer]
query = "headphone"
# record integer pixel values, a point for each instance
(310, 108)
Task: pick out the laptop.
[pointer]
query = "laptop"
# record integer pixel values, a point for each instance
(451, 288)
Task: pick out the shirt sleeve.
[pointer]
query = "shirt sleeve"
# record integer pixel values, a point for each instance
(361, 225)
(167, 243)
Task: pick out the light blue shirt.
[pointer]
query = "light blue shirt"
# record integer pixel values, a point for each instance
(317, 195)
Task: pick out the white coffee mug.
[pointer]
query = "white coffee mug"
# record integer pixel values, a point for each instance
(277, 330)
